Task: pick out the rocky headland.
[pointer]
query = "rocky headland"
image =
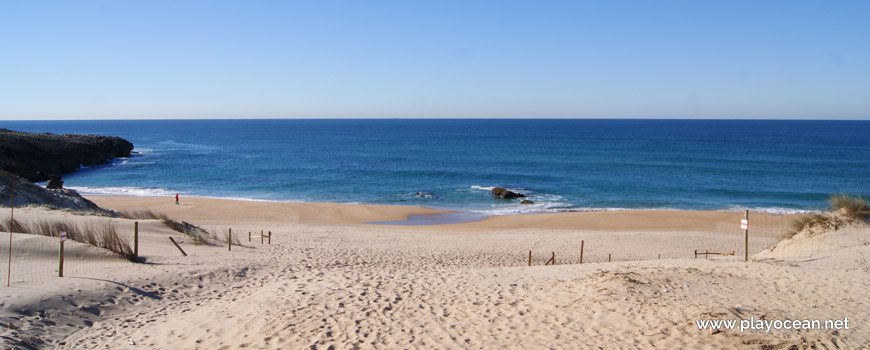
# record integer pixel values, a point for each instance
(27, 157)
(36, 157)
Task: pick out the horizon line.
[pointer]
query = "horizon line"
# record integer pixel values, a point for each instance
(421, 118)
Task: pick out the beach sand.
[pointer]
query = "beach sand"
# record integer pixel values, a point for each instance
(329, 280)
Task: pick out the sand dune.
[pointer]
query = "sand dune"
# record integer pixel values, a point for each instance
(329, 281)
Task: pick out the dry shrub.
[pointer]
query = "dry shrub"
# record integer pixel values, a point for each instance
(807, 221)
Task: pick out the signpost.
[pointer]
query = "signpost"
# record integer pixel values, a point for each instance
(60, 264)
(744, 225)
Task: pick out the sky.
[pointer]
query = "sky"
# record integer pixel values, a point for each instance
(434, 59)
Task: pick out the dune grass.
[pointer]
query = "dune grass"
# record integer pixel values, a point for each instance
(809, 220)
(224, 233)
(105, 235)
(852, 206)
(16, 225)
(102, 234)
(143, 215)
(197, 234)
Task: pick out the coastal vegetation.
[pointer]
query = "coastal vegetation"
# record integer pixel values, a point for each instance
(853, 207)
(197, 234)
(842, 210)
(103, 234)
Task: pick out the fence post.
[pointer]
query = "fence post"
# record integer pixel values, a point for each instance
(261, 236)
(11, 224)
(60, 259)
(270, 237)
(249, 236)
(530, 258)
(608, 257)
(177, 246)
(746, 236)
(582, 243)
(136, 241)
(230, 240)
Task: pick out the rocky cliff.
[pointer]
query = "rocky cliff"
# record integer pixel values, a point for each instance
(37, 156)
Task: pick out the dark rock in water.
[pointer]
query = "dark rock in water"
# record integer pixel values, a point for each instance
(424, 195)
(29, 194)
(503, 193)
(54, 182)
(34, 156)
(526, 201)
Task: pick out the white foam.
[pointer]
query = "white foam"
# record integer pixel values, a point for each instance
(246, 199)
(122, 191)
(771, 210)
(517, 208)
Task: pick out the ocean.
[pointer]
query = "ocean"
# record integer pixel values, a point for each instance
(561, 165)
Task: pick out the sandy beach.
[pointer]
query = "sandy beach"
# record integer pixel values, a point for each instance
(328, 280)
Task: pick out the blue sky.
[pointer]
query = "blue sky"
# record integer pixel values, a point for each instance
(434, 59)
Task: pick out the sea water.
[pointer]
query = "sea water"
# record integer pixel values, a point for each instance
(561, 165)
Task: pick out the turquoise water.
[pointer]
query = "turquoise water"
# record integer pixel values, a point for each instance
(560, 164)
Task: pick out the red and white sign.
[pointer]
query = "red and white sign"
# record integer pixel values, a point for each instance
(744, 224)
(63, 236)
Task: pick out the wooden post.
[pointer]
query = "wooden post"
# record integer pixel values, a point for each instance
(746, 236)
(11, 224)
(230, 240)
(706, 253)
(660, 257)
(249, 236)
(582, 243)
(530, 258)
(136, 241)
(270, 237)
(608, 257)
(552, 260)
(261, 236)
(177, 246)
(696, 253)
(60, 263)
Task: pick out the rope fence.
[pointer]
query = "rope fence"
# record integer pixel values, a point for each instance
(35, 249)
(93, 244)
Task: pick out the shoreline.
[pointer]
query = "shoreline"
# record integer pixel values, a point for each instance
(383, 215)
(132, 192)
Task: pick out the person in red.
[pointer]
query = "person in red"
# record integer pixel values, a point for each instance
(176, 199)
